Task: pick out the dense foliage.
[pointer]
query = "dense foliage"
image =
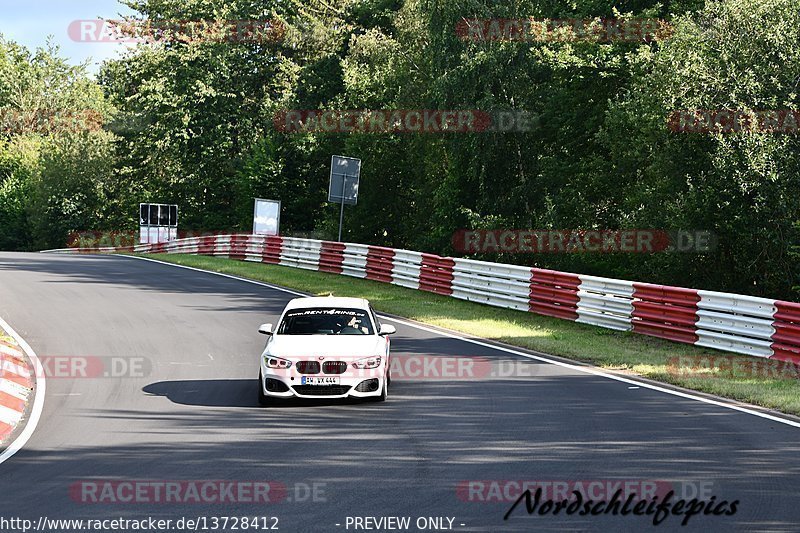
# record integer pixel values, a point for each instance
(191, 121)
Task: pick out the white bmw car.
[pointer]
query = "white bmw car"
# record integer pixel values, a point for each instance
(325, 347)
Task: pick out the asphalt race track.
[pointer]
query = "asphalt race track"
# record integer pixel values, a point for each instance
(192, 414)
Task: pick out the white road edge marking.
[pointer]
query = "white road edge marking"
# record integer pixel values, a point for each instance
(38, 399)
(577, 368)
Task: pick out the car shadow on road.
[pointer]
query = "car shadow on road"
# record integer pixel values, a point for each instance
(232, 393)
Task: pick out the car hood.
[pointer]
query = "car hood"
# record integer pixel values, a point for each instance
(351, 346)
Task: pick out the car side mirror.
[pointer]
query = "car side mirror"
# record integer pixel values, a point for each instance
(265, 329)
(386, 329)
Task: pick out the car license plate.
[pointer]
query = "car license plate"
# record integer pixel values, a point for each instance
(314, 380)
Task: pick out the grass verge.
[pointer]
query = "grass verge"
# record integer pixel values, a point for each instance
(762, 382)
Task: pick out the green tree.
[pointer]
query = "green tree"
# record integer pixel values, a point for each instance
(55, 160)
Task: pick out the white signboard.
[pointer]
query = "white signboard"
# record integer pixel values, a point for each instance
(158, 223)
(267, 217)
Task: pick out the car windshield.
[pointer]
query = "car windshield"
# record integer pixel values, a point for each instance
(326, 321)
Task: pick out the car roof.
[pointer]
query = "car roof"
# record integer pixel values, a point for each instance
(327, 301)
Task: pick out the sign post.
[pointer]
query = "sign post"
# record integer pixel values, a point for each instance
(341, 210)
(343, 187)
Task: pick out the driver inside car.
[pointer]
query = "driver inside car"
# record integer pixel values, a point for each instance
(353, 327)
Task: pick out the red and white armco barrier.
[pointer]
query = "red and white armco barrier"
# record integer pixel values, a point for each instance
(729, 322)
(16, 385)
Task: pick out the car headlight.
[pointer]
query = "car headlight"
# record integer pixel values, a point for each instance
(276, 362)
(368, 362)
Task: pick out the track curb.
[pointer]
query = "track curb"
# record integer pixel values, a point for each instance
(17, 388)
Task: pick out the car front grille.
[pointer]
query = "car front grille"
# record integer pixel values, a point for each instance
(334, 367)
(321, 390)
(308, 367)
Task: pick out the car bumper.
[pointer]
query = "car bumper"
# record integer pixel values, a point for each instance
(277, 385)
